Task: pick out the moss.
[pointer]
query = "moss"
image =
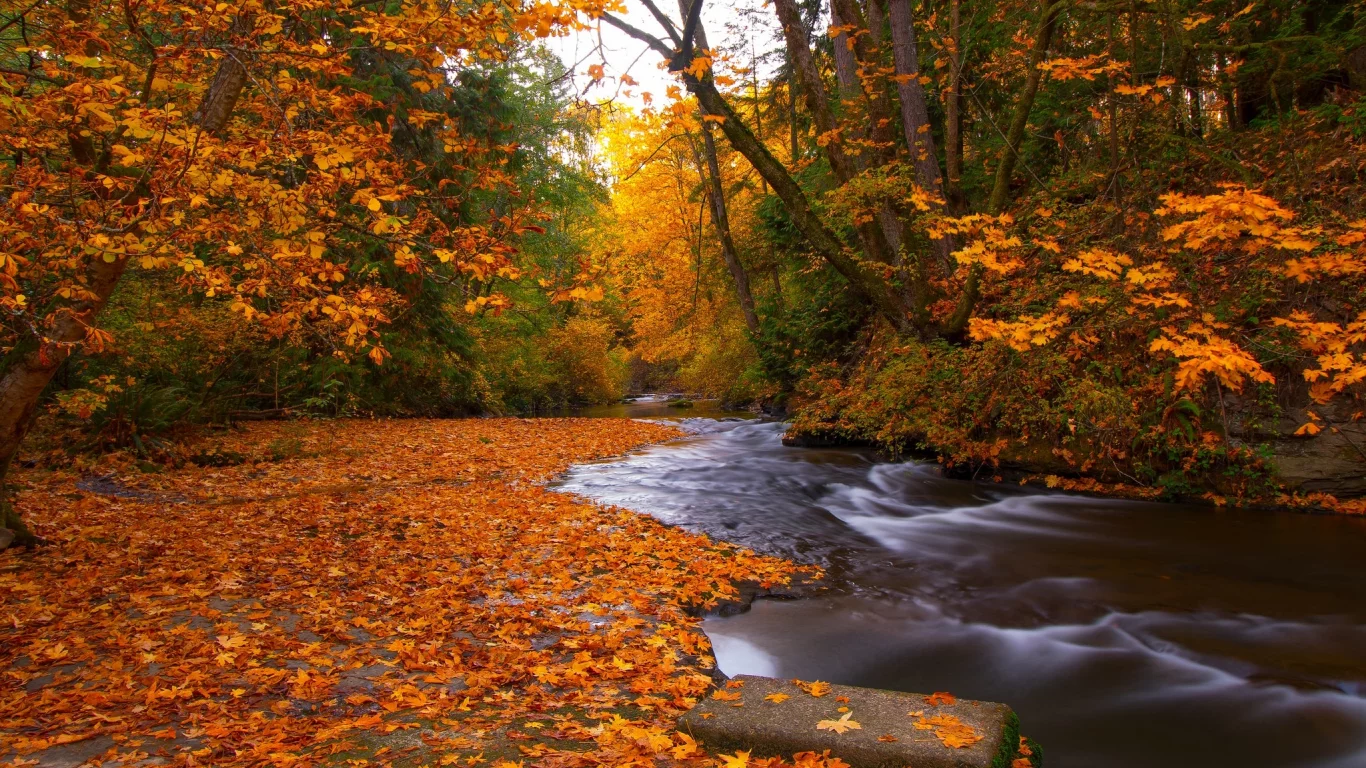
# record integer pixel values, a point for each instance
(1010, 742)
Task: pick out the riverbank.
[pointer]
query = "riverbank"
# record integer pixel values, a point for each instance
(1038, 465)
(392, 591)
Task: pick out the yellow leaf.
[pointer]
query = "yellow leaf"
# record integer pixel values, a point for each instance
(839, 726)
(738, 760)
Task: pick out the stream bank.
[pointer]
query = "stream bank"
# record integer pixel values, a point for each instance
(1126, 634)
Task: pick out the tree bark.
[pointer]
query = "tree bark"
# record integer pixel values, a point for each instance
(877, 18)
(846, 69)
(716, 194)
(228, 83)
(29, 367)
(872, 239)
(878, 100)
(888, 303)
(1010, 154)
(1005, 166)
(721, 221)
(813, 89)
(915, 115)
(851, 94)
(796, 149)
(953, 115)
(915, 112)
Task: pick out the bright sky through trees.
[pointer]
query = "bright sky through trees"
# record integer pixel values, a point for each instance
(745, 29)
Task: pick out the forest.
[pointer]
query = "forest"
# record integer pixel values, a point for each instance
(1114, 246)
(254, 251)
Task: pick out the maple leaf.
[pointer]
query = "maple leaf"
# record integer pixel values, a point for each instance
(777, 698)
(839, 726)
(687, 747)
(738, 760)
(940, 698)
(816, 688)
(951, 732)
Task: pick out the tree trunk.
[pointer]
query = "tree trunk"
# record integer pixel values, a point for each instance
(228, 83)
(851, 94)
(1112, 112)
(872, 239)
(845, 67)
(868, 284)
(29, 367)
(915, 114)
(1005, 167)
(879, 100)
(813, 89)
(888, 303)
(953, 115)
(716, 193)
(796, 149)
(877, 18)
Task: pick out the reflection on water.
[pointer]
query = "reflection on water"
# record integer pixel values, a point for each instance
(1125, 634)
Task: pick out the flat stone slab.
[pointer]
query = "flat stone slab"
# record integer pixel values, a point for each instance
(779, 718)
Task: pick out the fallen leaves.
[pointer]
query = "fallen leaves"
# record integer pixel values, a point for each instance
(940, 698)
(391, 575)
(950, 731)
(738, 760)
(1024, 755)
(817, 688)
(839, 726)
(777, 698)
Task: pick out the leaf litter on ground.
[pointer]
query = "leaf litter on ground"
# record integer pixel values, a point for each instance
(389, 593)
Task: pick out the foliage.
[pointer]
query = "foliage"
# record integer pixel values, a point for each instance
(1154, 278)
(405, 195)
(309, 606)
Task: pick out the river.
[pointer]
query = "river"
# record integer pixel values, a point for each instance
(1125, 634)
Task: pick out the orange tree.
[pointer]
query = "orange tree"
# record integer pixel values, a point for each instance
(269, 154)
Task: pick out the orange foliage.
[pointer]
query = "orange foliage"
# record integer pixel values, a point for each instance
(278, 613)
(112, 162)
(1202, 351)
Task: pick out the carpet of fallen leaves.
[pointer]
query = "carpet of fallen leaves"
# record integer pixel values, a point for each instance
(359, 593)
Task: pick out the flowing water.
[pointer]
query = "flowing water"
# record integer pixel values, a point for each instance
(1123, 633)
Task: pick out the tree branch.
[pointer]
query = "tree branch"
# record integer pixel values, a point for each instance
(664, 22)
(645, 37)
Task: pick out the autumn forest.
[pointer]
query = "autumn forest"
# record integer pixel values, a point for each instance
(295, 296)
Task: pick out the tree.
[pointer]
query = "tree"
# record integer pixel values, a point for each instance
(903, 279)
(240, 146)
